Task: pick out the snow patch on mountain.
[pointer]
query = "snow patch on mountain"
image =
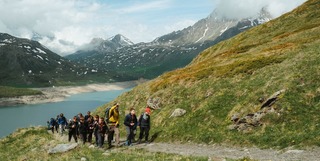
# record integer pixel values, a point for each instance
(204, 34)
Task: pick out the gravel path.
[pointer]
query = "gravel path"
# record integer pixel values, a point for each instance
(218, 152)
(221, 152)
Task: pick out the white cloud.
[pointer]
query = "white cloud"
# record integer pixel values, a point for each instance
(143, 7)
(247, 8)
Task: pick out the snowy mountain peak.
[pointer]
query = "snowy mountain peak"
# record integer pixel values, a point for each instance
(120, 39)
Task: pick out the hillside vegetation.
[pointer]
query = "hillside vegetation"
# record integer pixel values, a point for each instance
(230, 77)
(14, 92)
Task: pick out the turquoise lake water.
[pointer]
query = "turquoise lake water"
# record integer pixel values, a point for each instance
(21, 116)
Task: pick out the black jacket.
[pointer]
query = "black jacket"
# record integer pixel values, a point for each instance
(83, 127)
(131, 119)
(73, 126)
(144, 120)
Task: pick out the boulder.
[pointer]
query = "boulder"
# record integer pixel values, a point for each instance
(178, 112)
(60, 148)
(272, 99)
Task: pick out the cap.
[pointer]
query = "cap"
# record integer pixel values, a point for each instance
(148, 110)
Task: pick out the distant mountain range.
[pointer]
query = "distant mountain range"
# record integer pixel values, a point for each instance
(25, 62)
(165, 53)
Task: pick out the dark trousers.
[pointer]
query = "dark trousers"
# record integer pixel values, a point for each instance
(90, 137)
(83, 137)
(52, 129)
(73, 133)
(96, 136)
(110, 137)
(100, 139)
(130, 134)
(144, 131)
(57, 127)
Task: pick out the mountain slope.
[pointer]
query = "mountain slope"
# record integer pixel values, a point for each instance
(168, 52)
(231, 77)
(27, 63)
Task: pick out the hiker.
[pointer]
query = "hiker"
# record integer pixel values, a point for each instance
(57, 125)
(113, 123)
(52, 124)
(62, 121)
(88, 116)
(130, 122)
(96, 128)
(72, 127)
(90, 129)
(83, 128)
(144, 123)
(48, 125)
(78, 120)
(102, 129)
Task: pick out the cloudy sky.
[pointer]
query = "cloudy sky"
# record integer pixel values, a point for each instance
(72, 23)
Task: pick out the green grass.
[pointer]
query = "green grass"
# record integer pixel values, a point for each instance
(14, 92)
(33, 144)
(281, 54)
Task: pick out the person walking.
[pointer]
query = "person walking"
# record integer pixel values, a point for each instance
(144, 123)
(130, 122)
(62, 121)
(113, 123)
(96, 128)
(90, 129)
(83, 128)
(72, 127)
(101, 132)
(52, 124)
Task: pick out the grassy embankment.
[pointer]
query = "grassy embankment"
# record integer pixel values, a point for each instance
(33, 144)
(231, 76)
(15, 92)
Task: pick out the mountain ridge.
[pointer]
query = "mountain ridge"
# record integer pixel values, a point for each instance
(165, 53)
(26, 62)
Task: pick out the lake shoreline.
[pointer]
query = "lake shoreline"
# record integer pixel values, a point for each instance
(58, 94)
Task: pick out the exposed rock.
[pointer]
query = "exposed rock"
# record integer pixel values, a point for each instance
(178, 112)
(154, 103)
(91, 146)
(83, 159)
(246, 123)
(60, 148)
(271, 100)
(233, 127)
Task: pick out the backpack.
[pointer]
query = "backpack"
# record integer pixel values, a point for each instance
(107, 114)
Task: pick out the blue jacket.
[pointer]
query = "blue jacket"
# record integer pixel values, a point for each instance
(62, 121)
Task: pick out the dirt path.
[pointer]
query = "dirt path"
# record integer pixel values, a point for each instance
(218, 152)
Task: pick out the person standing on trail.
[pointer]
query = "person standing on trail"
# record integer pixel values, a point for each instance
(113, 123)
(90, 129)
(72, 127)
(130, 122)
(96, 128)
(144, 123)
(62, 121)
(52, 124)
(101, 131)
(83, 128)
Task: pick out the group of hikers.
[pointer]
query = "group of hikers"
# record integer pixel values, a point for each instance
(85, 127)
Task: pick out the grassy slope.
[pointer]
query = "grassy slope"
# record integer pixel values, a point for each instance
(281, 54)
(14, 92)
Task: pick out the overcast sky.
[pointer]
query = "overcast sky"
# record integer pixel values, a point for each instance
(75, 22)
